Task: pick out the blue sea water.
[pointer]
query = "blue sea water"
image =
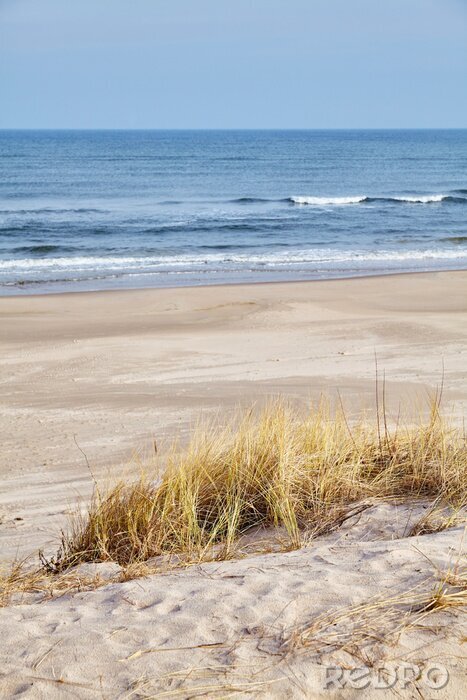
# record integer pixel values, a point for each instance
(106, 209)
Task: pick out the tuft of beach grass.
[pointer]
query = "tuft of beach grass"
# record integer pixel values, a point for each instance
(272, 469)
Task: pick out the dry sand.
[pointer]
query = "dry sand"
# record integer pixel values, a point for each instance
(105, 373)
(220, 629)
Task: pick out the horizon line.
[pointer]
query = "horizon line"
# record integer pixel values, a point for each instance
(234, 128)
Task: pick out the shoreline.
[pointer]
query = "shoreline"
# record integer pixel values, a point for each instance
(347, 278)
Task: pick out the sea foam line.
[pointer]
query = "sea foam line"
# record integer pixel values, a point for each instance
(318, 257)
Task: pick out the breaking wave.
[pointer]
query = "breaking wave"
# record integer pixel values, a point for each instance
(408, 199)
(273, 259)
(326, 201)
(427, 199)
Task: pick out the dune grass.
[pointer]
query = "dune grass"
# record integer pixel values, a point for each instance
(366, 631)
(438, 517)
(22, 579)
(275, 468)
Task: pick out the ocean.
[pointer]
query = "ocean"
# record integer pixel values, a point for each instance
(87, 210)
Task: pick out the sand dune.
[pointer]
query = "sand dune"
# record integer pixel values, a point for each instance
(225, 628)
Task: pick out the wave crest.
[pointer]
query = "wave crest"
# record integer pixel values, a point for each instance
(408, 199)
(324, 201)
(427, 199)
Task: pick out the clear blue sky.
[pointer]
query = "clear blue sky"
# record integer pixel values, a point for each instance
(233, 63)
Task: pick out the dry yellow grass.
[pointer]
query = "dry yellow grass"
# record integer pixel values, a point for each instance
(22, 578)
(367, 630)
(438, 517)
(277, 468)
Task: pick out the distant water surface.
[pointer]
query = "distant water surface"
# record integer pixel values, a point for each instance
(104, 209)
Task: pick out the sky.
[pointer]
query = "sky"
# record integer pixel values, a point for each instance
(233, 63)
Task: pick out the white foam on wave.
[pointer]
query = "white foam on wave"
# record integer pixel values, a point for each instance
(422, 200)
(78, 262)
(276, 259)
(326, 201)
(339, 201)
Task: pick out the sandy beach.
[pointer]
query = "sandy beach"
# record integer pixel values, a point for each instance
(109, 372)
(90, 380)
